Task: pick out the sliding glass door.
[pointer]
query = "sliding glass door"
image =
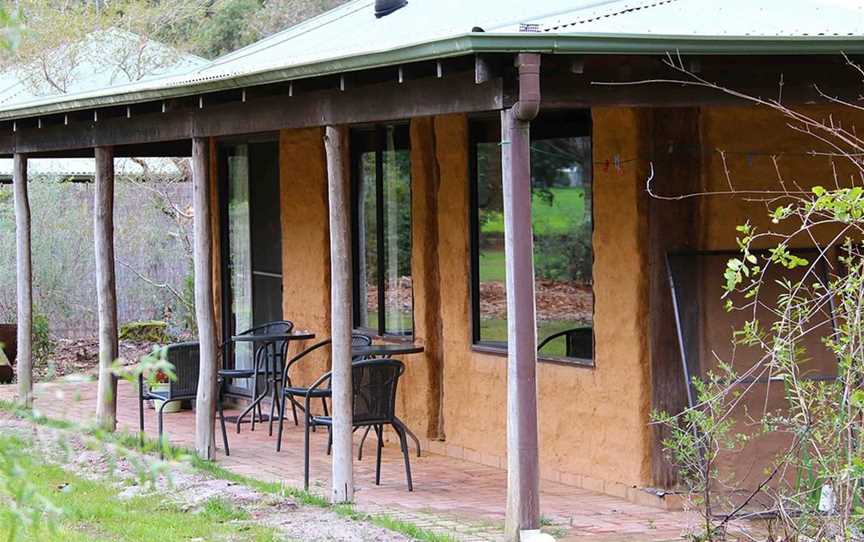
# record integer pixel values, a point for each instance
(251, 241)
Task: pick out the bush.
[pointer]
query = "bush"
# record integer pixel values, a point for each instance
(43, 345)
(567, 257)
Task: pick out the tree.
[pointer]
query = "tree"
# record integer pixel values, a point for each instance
(792, 303)
(64, 43)
(277, 15)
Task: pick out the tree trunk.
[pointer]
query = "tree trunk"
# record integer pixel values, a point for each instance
(336, 143)
(106, 290)
(523, 471)
(24, 282)
(205, 404)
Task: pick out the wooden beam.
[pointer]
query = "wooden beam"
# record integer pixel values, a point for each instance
(371, 103)
(677, 171)
(24, 270)
(106, 290)
(336, 145)
(456, 93)
(523, 470)
(205, 404)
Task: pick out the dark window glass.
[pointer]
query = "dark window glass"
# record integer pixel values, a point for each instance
(383, 291)
(561, 218)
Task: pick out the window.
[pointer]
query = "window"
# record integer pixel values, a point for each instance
(383, 291)
(561, 217)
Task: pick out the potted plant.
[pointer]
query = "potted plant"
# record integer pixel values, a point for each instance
(158, 373)
(161, 383)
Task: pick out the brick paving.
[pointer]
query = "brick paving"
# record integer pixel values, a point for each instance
(457, 497)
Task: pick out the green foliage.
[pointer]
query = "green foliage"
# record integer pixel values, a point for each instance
(816, 479)
(154, 367)
(26, 513)
(222, 510)
(227, 27)
(565, 257)
(10, 28)
(43, 344)
(190, 323)
(90, 510)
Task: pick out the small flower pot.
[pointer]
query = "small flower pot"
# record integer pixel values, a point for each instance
(173, 406)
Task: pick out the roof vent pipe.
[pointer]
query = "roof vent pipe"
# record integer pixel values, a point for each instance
(386, 7)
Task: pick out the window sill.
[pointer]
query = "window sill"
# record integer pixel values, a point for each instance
(392, 339)
(502, 352)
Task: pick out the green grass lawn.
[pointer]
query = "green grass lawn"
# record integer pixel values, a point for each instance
(556, 218)
(492, 265)
(395, 321)
(92, 512)
(495, 330)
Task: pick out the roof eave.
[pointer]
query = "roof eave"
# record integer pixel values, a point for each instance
(457, 46)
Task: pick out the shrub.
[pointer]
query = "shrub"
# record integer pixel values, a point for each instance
(43, 345)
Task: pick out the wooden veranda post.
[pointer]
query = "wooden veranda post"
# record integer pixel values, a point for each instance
(106, 290)
(523, 470)
(24, 270)
(205, 404)
(336, 143)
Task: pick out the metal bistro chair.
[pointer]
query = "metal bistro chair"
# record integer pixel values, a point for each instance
(185, 359)
(266, 366)
(579, 342)
(291, 393)
(374, 405)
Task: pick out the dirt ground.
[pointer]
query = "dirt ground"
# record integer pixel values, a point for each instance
(189, 488)
(556, 300)
(81, 356)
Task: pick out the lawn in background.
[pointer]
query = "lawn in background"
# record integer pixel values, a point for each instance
(495, 330)
(568, 204)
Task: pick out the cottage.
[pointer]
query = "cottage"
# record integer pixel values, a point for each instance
(472, 177)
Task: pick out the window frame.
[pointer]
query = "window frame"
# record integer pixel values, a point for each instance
(548, 125)
(374, 138)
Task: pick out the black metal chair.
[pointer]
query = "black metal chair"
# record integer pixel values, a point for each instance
(374, 405)
(185, 359)
(291, 393)
(261, 363)
(579, 342)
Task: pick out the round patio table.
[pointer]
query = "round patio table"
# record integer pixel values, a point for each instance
(265, 350)
(385, 350)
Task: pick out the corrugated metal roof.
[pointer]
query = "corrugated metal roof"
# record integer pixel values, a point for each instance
(351, 38)
(766, 18)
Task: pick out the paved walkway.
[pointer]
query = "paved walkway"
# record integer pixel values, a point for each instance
(461, 498)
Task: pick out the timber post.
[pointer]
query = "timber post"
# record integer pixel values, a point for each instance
(24, 282)
(106, 289)
(336, 144)
(523, 468)
(205, 403)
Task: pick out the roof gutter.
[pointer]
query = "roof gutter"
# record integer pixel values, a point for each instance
(597, 44)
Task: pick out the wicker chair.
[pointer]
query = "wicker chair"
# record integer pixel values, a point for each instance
(185, 359)
(374, 405)
(291, 393)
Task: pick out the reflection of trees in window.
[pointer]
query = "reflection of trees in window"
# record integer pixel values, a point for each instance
(561, 175)
(382, 225)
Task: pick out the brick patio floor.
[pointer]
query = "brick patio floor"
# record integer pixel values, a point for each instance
(463, 499)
